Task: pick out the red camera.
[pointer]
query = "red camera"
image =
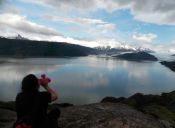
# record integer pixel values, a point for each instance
(43, 79)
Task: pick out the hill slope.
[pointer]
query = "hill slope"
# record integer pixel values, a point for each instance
(29, 48)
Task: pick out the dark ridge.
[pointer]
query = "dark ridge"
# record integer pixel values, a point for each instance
(31, 48)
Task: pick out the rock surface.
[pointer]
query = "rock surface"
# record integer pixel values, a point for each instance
(161, 106)
(7, 117)
(136, 111)
(98, 115)
(106, 115)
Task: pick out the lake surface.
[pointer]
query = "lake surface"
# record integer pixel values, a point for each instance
(82, 80)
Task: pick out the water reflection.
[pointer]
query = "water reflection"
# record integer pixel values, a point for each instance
(12, 74)
(87, 79)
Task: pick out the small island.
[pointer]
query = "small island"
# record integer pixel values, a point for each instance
(170, 65)
(137, 56)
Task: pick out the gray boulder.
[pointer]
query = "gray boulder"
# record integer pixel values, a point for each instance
(106, 115)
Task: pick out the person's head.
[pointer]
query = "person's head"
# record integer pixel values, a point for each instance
(30, 83)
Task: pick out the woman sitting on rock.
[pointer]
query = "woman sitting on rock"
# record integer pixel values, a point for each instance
(31, 105)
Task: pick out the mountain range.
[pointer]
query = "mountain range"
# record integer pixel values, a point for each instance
(19, 46)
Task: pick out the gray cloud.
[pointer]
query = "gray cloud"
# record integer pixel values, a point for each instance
(144, 38)
(158, 12)
(83, 21)
(94, 23)
(156, 5)
(94, 28)
(152, 11)
(21, 24)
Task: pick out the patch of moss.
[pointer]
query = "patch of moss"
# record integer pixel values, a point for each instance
(131, 103)
(160, 112)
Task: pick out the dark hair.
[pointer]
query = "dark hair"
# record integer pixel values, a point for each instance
(29, 83)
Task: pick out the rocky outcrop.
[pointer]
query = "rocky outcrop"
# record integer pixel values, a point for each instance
(106, 115)
(136, 111)
(7, 118)
(161, 106)
(137, 56)
(98, 115)
(113, 99)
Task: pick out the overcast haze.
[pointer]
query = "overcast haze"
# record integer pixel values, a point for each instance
(129, 23)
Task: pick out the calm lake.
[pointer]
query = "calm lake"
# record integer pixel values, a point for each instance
(82, 80)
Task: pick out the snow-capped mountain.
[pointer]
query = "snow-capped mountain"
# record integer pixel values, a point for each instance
(108, 50)
(18, 37)
(141, 49)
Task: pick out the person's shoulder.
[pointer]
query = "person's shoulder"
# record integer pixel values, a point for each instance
(45, 95)
(20, 97)
(20, 93)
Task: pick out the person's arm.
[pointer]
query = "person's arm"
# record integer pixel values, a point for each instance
(52, 92)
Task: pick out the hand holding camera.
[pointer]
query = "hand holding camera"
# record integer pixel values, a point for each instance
(44, 80)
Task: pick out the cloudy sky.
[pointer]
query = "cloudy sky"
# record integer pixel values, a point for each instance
(131, 23)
